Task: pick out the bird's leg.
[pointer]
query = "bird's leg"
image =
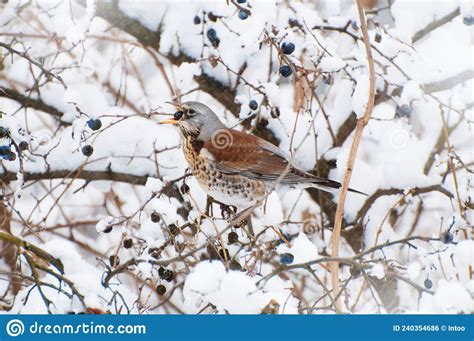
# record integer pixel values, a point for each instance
(227, 211)
(209, 210)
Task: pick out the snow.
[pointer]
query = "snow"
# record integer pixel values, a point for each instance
(452, 297)
(413, 270)
(377, 271)
(331, 64)
(230, 291)
(360, 95)
(303, 249)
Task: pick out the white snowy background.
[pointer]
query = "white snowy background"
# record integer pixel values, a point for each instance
(65, 62)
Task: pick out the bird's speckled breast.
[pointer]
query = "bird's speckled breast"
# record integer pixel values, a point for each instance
(234, 190)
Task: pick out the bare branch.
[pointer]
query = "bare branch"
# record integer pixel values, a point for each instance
(434, 25)
(34, 62)
(80, 174)
(397, 191)
(450, 82)
(33, 103)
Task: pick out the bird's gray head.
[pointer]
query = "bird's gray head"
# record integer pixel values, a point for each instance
(196, 120)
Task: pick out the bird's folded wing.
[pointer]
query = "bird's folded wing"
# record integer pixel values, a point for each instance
(236, 152)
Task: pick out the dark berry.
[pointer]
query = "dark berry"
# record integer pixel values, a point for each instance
(378, 37)
(403, 111)
(293, 22)
(184, 188)
(114, 260)
(233, 237)
(23, 145)
(5, 151)
(155, 217)
(166, 274)
(197, 20)
(3, 132)
(212, 17)
(285, 70)
(177, 115)
(446, 237)
(287, 48)
(354, 25)
(154, 252)
(224, 253)
(327, 79)
(161, 290)
(253, 105)
(286, 258)
(469, 21)
(275, 112)
(243, 14)
(212, 34)
(12, 156)
(355, 271)
(428, 283)
(108, 229)
(241, 1)
(128, 243)
(87, 150)
(174, 230)
(94, 124)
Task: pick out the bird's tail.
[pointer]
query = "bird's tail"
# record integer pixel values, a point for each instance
(300, 178)
(328, 185)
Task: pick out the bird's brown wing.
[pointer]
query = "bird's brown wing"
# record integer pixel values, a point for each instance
(237, 152)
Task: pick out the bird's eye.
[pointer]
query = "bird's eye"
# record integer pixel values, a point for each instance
(178, 115)
(191, 111)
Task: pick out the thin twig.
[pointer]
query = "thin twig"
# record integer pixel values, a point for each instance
(352, 155)
(34, 62)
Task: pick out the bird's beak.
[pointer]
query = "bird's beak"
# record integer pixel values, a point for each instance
(172, 120)
(169, 121)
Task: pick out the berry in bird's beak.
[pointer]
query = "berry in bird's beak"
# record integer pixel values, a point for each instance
(176, 117)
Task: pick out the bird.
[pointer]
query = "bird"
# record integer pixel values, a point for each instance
(233, 167)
